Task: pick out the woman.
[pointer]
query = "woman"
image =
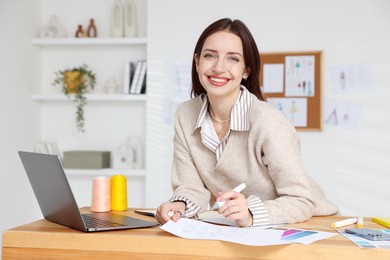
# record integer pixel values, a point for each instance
(227, 135)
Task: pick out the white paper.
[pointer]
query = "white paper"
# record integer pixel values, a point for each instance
(181, 73)
(168, 109)
(300, 74)
(294, 109)
(273, 78)
(349, 78)
(181, 77)
(342, 114)
(253, 236)
(193, 229)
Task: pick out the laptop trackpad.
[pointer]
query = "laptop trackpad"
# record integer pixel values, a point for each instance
(121, 220)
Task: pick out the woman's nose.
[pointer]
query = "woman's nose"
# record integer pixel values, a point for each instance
(219, 66)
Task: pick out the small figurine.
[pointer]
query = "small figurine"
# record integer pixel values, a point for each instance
(80, 32)
(111, 85)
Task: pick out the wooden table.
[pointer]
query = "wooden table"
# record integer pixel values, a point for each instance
(46, 240)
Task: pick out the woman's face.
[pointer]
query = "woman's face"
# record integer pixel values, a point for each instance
(221, 64)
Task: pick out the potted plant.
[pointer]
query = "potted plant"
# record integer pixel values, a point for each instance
(76, 81)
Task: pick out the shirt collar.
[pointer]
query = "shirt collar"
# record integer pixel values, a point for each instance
(239, 117)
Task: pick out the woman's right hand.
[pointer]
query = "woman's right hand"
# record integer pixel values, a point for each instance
(170, 211)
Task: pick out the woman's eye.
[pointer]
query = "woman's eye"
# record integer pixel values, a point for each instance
(235, 59)
(208, 55)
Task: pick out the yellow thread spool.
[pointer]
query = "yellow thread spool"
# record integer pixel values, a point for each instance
(118, 193)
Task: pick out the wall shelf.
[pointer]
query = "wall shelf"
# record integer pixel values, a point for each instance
(105, 172)
(90, 97)
(89, 41)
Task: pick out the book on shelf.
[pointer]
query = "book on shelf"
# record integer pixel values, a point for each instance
(136, 77)
(129, 70)
(142, 79)
(134, 81)
(143, 87)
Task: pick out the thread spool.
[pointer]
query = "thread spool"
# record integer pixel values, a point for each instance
(101, 194)
(118, 193)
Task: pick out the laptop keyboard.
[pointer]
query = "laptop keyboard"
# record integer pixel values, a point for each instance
(93, 222)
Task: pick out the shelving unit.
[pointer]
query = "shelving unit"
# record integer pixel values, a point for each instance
(109, 118)
(91, 49)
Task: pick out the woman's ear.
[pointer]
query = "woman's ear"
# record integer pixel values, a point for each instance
(246, 73)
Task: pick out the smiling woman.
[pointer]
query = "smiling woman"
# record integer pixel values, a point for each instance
(228, 135)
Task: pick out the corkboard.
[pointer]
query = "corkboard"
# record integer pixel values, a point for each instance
(299, 90)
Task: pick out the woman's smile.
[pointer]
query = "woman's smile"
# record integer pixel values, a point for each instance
(218, 81)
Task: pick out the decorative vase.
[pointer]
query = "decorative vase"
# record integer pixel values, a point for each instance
(53, 29)
(130, 19)
(80, 32)
(117, 19)
(134, 144)
(91, 31)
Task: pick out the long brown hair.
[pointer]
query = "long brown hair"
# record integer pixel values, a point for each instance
(251, 55)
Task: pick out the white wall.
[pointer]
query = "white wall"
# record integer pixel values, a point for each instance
(352, 166)
(19, 116)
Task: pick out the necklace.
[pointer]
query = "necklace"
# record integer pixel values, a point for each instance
(222, 131)
(218, 120)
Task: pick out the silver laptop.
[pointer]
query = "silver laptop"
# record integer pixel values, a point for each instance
(56, 200)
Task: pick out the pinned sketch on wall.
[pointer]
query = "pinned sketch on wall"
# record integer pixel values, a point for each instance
(354, 77)
(342, 114)
(169, 107)
(273, 78)
(181, 73)
(294, 109)
(292, 82)
(181, 78)
(300, 75)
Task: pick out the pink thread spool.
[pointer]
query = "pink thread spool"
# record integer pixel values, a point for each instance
(101, 194)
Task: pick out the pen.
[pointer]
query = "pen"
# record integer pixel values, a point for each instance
(219, 204)
(360, 222)
(344, 222)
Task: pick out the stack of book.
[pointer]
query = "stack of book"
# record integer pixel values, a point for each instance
(135, 77)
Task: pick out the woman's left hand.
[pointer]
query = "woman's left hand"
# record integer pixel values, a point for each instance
(235, 208)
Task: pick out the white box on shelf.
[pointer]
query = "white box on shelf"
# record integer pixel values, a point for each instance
(122, 159)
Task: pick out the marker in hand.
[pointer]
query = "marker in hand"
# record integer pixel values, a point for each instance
(219, 204)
